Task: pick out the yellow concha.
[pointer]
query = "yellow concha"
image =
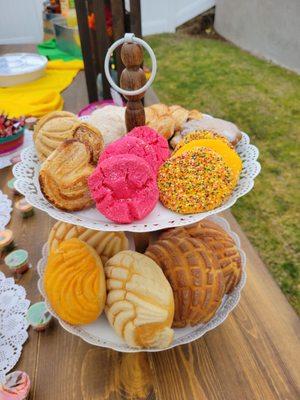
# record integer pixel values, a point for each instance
(106, 244)
(74, 282)
(229, 155)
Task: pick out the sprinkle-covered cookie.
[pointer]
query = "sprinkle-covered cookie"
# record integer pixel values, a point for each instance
(196, 181)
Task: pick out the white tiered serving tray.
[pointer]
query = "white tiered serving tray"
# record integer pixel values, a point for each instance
(27, 183)
(101, 334)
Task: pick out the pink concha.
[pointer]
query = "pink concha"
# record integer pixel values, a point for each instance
(131, 145)
(124, 188)
(154, 139)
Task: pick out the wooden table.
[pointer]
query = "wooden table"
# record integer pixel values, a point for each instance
(253, 355)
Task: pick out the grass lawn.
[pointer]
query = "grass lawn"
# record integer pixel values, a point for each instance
(263, 100)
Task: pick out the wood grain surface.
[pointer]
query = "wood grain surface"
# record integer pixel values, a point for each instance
(253, 355)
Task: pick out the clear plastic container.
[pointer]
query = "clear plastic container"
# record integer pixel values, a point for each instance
(67, 38)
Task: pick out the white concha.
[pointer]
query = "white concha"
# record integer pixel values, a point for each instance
(106, 244)
(140, 304)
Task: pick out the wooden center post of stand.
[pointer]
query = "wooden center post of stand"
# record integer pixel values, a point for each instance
(133, 78)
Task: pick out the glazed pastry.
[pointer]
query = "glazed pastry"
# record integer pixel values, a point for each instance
(180, 115)
(195, 181)
(131, 145)
(140, 304)
(74, 282)
(15, 387)
(51, 130)
(195, 276)
(106, 244)
(90, 135)
(194, 114)
(222, 127)
(63, 176)
(110, 121)
(220, 242)
(164, 125)
(230, 157)
(156, 141)
(124, 188)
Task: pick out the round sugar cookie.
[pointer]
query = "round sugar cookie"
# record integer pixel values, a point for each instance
(229, 155)
(195, 181)
(131, 145)
(200, 134)
(74, 282)
(124, 188)
(155, 140)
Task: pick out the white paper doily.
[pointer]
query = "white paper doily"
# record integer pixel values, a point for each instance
(100, 333)
(13, 323)
(5, 210)
(5, 160)
(27, 183)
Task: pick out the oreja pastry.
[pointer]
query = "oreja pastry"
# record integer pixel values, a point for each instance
(51, 130)
(220, 242)
(131, 145)
(63, 176)
(155, 140)
(140, 304)
(110, 120)
(179, 114)
(195, 181)
(90, 135)
(222, 127)
(195, 276)
(74, 282)
(124, 188)
(230, 157)
(106, 244)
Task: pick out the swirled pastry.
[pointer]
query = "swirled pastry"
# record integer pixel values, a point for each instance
(90, 135)
(140, 304)
(74, 282)
(220, 242)
(106, 244)
(51, 130)
(195, 276)
(63, 176)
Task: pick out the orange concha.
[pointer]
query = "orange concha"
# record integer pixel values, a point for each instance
(74, 282)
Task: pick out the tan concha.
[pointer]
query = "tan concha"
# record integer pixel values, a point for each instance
(106, 244)
(64, 174)
(160, 109)
(195, 276)
(194, 114)
(164, 125)
(139, 304)
(51, 130)
(180, 115)
(220, 242)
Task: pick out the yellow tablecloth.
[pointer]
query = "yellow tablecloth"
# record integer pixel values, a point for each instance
(43, 95)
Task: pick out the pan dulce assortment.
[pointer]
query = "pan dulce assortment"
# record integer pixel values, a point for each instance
(181, 158)
(179, 281)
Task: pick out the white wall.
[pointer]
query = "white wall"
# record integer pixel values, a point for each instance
(21, 21)
(267, 28)
(160, 16)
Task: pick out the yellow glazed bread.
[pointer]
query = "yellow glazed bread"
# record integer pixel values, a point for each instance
(63, 176)
(106, 244)
(220, 242)
(195, 276)
(51, 130)
(74, 282)
(140, 304)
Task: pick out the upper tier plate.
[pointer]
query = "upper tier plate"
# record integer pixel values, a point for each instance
(27, 183)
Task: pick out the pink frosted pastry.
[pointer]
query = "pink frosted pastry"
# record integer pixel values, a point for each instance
(16, 386)
(157, 142)
(124, 188)
(131, 145)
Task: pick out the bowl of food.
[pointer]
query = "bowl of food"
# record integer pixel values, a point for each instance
(11, 133)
